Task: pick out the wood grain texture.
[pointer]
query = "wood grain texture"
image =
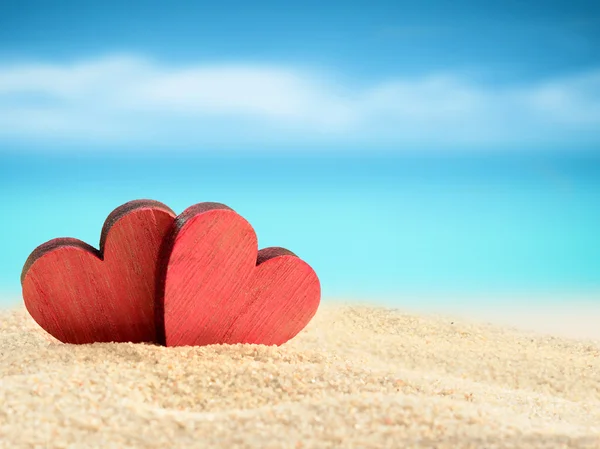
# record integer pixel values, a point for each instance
(82, 295)
(218, 288)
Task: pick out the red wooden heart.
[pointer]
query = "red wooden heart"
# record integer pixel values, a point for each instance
(81, 295)
(218, 288)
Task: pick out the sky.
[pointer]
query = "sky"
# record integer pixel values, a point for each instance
(107, 101)
(112, 76)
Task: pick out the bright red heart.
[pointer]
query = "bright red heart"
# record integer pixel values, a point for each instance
(81, 295)
(218, 288)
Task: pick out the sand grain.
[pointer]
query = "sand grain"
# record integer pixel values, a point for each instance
(356, 377)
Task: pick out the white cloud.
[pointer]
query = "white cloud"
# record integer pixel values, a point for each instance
(125, 100)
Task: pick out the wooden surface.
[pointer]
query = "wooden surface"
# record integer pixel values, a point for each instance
(218, 288)
(82, 295)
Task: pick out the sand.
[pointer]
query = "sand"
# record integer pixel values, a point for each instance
(358, 376)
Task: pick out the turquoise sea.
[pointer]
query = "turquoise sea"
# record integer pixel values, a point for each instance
(372, 227)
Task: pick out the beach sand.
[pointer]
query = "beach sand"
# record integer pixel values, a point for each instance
(358, 376)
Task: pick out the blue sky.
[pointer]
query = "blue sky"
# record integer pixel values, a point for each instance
(359, 76)
(89, 90)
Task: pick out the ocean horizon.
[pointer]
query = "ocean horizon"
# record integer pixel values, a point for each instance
(383, 228)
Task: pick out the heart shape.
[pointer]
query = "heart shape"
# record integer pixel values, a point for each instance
(218, 288)
(81, 295)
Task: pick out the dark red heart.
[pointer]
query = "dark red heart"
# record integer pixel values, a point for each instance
(81, 295)
(218, 288)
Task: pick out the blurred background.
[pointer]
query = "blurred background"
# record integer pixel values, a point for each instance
(431, 151)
